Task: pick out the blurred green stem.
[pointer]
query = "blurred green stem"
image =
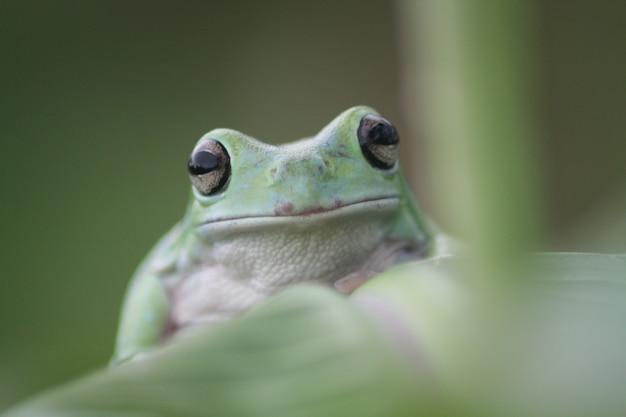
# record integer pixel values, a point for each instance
(469, 66)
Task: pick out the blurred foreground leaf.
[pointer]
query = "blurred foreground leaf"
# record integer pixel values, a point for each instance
(406, 343)
(306, 352)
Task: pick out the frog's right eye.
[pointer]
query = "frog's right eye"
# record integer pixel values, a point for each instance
(209, 167)
(379, 141)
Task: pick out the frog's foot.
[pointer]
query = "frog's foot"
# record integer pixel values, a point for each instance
(351, 282)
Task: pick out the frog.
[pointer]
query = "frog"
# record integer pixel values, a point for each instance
(333, 209)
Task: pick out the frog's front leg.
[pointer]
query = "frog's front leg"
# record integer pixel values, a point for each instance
(351, 282)
(144, 318)
(388, 254)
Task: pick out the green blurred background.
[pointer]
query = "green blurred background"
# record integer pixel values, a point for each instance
(102, 102)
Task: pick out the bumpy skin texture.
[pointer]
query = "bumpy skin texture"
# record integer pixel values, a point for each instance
(315, 210)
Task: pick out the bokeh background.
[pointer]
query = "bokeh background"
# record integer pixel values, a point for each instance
(102, 102)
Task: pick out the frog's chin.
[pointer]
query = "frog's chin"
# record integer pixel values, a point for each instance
(374, 207)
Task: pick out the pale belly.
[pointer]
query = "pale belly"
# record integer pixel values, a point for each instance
(240, 271)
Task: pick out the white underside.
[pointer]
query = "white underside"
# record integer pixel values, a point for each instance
(256, 257)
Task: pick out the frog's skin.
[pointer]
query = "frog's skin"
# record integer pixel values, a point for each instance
(333, 209)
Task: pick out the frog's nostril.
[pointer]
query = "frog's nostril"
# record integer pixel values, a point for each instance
(320, 164)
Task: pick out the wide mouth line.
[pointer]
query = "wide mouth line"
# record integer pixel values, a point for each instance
(305, 213)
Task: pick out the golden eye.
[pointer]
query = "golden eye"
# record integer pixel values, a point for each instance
(209, 167)
(379, 141)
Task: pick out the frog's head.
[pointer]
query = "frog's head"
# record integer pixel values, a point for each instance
(347, 174)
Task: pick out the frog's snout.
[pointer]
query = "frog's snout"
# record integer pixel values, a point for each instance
(300, 168)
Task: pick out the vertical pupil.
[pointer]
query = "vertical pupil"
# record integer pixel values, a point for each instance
(203, 162)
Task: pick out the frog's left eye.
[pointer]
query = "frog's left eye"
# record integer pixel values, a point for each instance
(379, 141)
(209, 167)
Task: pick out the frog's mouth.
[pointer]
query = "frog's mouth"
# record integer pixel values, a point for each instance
(284, 213)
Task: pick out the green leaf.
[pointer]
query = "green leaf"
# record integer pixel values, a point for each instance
(412, 341)
(306, 352)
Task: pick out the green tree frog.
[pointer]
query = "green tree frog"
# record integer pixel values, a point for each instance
(333, 209)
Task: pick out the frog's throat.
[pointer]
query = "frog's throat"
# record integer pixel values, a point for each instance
(373, 206)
